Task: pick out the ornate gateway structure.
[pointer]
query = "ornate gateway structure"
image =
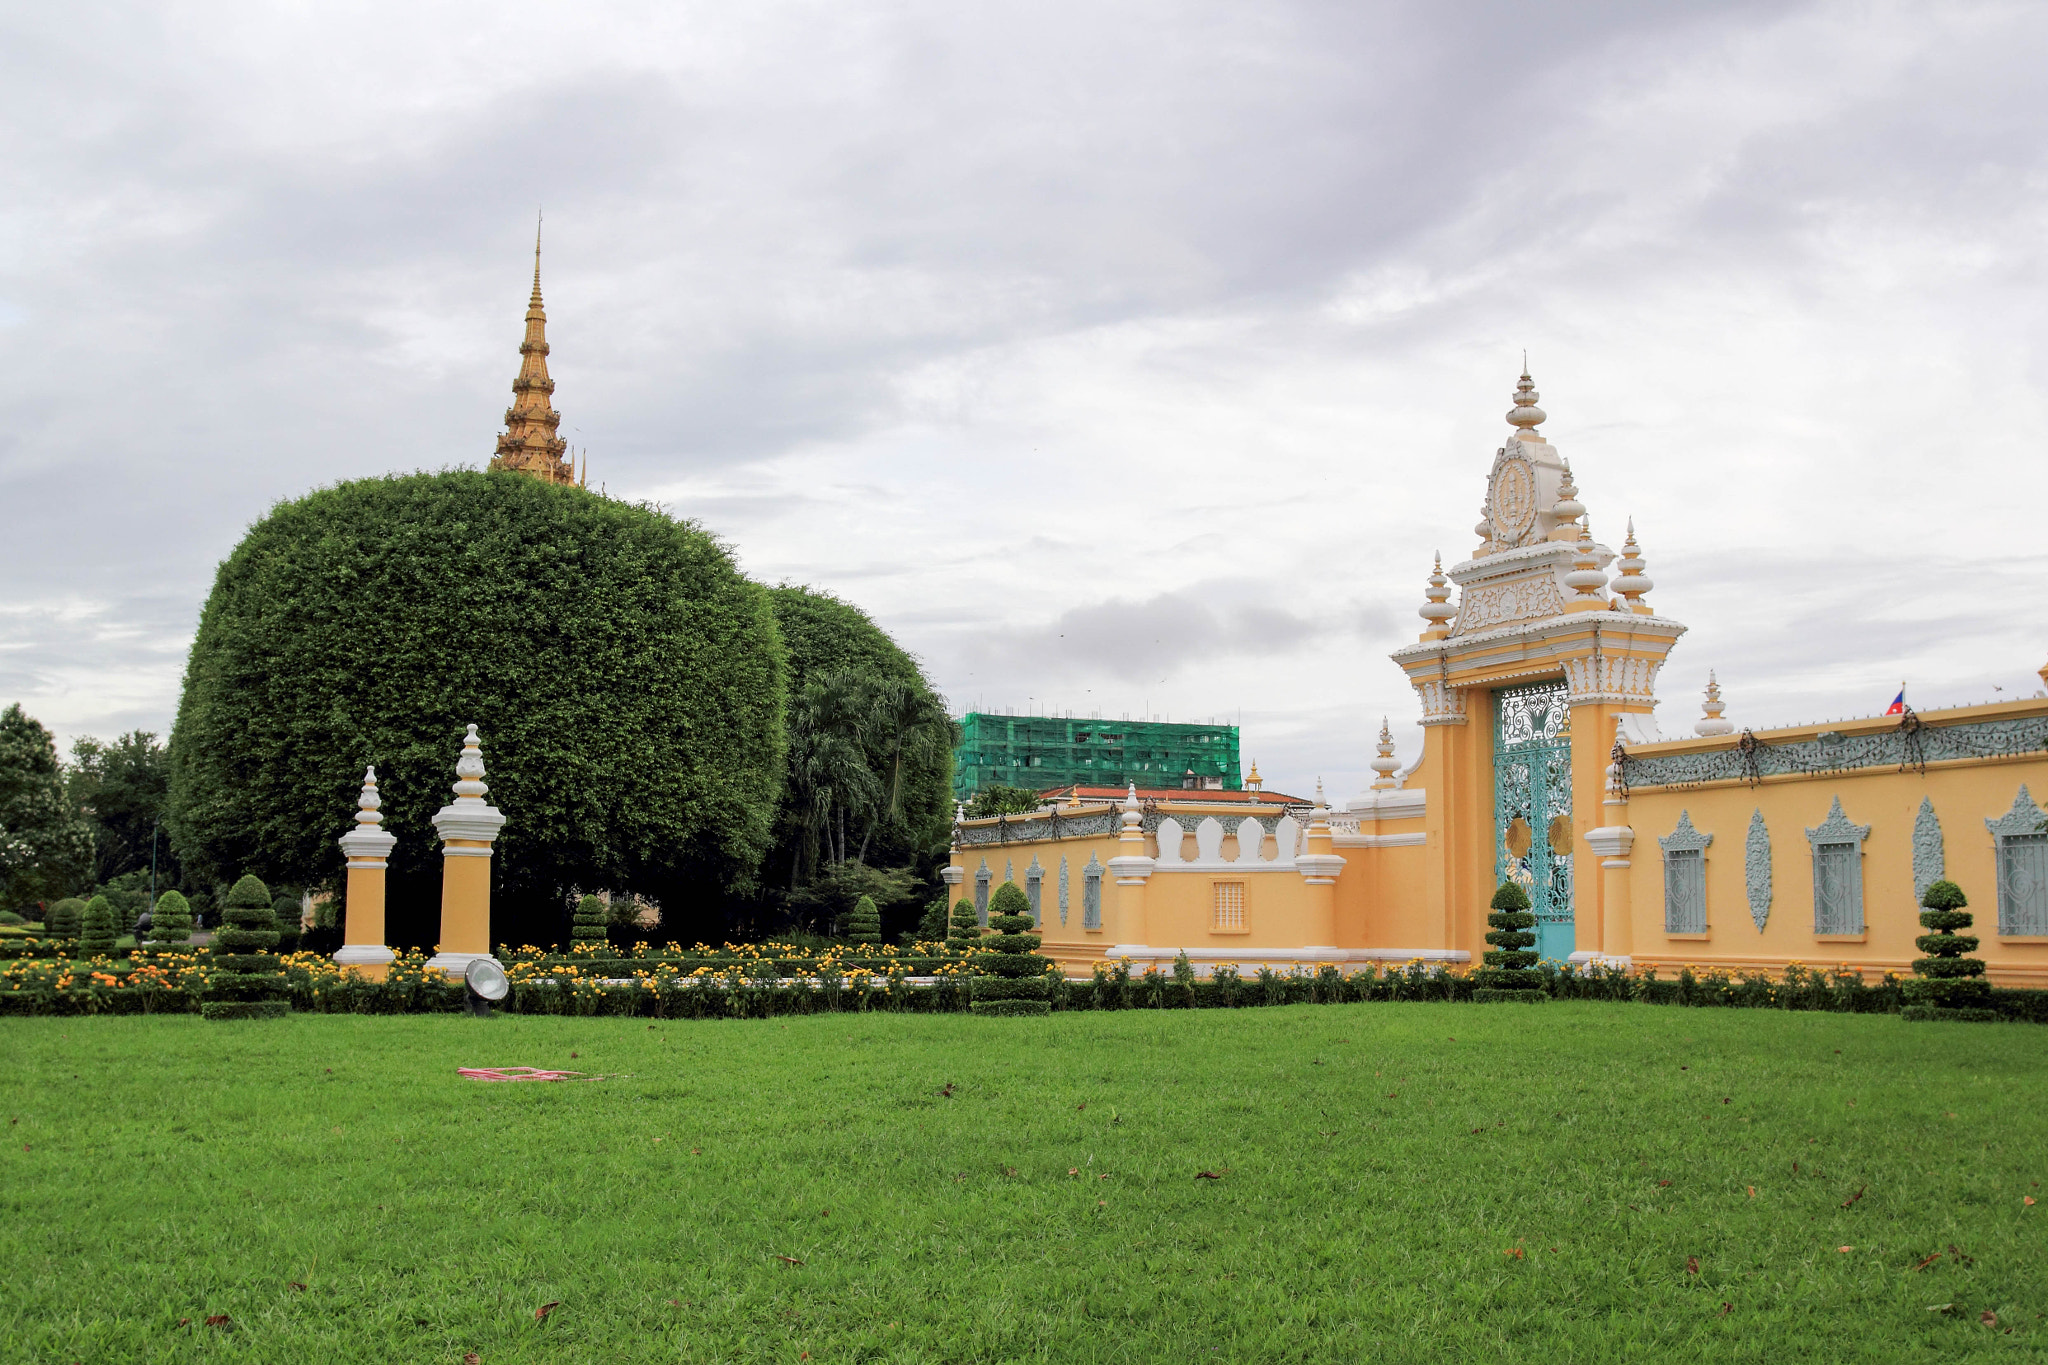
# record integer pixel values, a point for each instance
(1542, 763)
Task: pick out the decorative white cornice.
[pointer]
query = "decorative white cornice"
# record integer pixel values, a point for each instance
(1319, 869)
(1611, 843)
(1132, 869)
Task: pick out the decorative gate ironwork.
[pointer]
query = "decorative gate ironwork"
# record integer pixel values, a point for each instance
(1532, 805)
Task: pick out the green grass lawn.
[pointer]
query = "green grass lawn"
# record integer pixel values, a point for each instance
(1399, 1182)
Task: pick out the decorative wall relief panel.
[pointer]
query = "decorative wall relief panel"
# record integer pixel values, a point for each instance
(1756, 869)
(1929, 860)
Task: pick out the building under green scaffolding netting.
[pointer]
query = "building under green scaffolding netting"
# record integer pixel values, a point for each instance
(1054, 751)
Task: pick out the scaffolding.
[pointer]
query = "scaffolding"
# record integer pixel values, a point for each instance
(1041, 752)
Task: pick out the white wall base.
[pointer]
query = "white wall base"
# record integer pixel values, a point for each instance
(364, 955)
(1584, 958)
(1205, 960)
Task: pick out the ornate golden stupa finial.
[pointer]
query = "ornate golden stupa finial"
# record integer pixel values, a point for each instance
(529, 443)
(1253, 782)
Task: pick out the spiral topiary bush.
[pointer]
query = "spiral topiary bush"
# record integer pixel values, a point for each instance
(61, 920)
(1946, 984)
(170, 924)
(247, 981)
(97, 929)
(864, 922)
(1509, 973)
(591, 918)
(966, 926)
(1016, 981)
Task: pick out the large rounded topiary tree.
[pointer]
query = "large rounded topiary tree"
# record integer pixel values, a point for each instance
(628, 682)
(1015, 982)
(247, 981)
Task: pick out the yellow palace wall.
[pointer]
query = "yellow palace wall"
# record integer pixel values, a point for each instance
(1406, 870)
(1963, 793)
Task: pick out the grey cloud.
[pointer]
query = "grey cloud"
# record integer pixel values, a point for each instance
(1149, 640)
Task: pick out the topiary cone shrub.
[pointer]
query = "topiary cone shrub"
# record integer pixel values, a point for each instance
(590, 921)
(864, 922)
(97, 930)
(1509, 971)
(247, 982)
(170, 924)
(966, 924)
(288, 911)
(1016, 981)
(61, 921)
(1946, 984)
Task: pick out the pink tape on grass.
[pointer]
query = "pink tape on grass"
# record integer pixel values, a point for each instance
(521, 1073)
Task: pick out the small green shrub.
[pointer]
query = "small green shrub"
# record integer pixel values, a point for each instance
(62, 919)
(97, 929)
(966, 924)
(247, 980)
(8, 917)
(1946, 984)
(864, 922)
(1509, 971)
(1016, 974)
(288, 910)
(170, 923)
(589, 924)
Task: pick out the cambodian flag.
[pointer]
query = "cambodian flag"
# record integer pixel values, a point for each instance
(1898, 706)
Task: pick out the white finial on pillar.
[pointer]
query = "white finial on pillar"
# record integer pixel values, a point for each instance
(1525, 416)
(1632, 582)
(468, 827)
(1710, 721)
(367, 849)
(1438, 610)
(1386, 765)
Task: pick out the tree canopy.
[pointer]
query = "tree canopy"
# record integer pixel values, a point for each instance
(46, 846)
(627, 680)
(122, 788)
(870, 748)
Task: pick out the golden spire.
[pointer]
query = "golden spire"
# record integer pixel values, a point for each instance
(529, 443)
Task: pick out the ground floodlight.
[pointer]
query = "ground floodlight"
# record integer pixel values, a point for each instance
(482, 982)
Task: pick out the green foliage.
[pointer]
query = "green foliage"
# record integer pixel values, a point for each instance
(931, 926)
(247, 981)
(627, 679)
(870, 744)
(122, 788)
(1944, 895)
(1509, 962)
(288, 911)
(966, 923)
(97, 929)
(45, 844)
(1009, 901)
(62, 920)
(589, 924)
(128, 893)
(998, 799)
(831, 896)
(1016, 981)
(171, 921)
(864, 922)
(1947, 984)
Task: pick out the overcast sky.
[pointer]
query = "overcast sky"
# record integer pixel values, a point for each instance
(1122, 357)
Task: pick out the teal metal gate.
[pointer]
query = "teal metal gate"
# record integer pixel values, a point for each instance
(1532, 805)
